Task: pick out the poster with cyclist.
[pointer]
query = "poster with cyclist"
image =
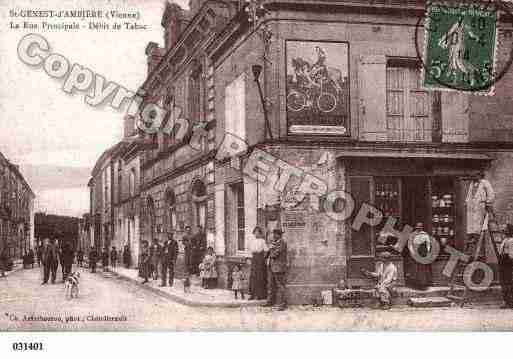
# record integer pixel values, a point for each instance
(317, 87)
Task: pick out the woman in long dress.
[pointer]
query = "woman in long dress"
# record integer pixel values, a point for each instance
(419, 275)
(258, 275)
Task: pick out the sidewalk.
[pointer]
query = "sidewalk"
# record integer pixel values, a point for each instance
(197, 296)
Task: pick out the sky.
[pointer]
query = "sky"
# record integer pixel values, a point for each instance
(44, 129)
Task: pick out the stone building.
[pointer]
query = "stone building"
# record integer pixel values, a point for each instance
(341, 108)
(16, 210)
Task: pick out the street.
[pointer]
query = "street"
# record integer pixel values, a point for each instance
(28, 306)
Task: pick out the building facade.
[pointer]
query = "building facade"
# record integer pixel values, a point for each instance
(16, 211)
(317, 99)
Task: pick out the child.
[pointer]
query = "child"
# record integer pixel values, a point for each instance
(238, 280)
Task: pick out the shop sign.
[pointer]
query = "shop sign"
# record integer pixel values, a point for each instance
(294, 219)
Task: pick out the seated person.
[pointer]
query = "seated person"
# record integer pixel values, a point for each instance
(386, 274)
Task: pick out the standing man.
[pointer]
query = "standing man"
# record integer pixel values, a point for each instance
(127, 256)
(67, 260)
(169, 253)
(93, 258)
(80, 257)
(479, 201)
(277, 271)
(154, 259)
(105, 259)
(200, 247)
(50, 261)
(145, 266)
(188, 241)
(506, 267)
(113, 257)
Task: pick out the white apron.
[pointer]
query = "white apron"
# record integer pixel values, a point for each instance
(477, 198)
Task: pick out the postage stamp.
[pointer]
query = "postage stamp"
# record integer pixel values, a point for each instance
(460, 48)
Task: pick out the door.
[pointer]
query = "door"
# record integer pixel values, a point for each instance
(361, 243)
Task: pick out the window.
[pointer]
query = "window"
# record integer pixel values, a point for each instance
(171, 210)
(238, 191)
(235, 107)
(409, 108)
(120, 180)
(195, 95)
(131, 182)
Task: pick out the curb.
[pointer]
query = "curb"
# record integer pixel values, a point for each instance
(189, 302)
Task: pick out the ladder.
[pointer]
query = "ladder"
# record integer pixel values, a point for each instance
(473, 250)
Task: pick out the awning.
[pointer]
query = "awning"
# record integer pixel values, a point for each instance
(412, 154)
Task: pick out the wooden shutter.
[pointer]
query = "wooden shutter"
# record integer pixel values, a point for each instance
(455, 117)
(372, 94)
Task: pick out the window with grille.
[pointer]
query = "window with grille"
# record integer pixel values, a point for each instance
(409, 107)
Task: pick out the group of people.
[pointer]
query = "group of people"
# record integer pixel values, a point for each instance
(263, 278)
(267, 272)
(50, 255)
(107, 257)
(157, 257)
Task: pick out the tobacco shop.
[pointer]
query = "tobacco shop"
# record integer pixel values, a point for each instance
(421, 187)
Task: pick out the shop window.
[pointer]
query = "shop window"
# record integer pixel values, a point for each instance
(409, 107)
(238, 192)
(443, 211)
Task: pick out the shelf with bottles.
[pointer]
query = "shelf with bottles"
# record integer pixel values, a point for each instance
(441, 202)
(387, 198)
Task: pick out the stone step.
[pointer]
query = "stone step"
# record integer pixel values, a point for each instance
(429, 302)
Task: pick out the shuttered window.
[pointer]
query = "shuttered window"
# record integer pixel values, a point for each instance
(409, 108)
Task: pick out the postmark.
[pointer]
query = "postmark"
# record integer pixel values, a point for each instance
(460, 47)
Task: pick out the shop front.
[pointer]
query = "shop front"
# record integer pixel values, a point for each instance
(426, 189)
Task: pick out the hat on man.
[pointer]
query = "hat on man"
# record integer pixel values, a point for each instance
(419, 226)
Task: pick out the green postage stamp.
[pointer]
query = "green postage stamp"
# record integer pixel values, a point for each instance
(460, 48)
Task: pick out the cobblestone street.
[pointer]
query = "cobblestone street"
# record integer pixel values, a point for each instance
(21, 294)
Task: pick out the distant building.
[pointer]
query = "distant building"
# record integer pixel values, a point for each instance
(62, 228)
(114, 194)
(16, 210)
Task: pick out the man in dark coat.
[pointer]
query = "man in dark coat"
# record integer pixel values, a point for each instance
(145, 266)
(80, 257)
(50, 261)
(188, 244)
(168, 256)
(93, 258)
(67, 260)
(127, 256)
(200, 247)
(113, 256)
(277, 271)
(31, 257)
(105, 258)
